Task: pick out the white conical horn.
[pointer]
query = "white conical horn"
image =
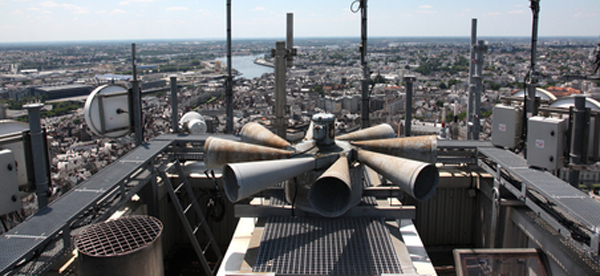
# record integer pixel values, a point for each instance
(218, 152)
(242, 180)
(331, 194)
(415, 178)
(382, 131)
(422, 148)
(255, 133)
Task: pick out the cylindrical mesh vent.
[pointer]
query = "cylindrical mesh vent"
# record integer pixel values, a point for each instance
(121, 247)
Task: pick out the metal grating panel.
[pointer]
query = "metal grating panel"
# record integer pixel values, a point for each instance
(342, 246)
(118, 237)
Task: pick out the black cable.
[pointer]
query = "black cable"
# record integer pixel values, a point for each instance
(353, 4)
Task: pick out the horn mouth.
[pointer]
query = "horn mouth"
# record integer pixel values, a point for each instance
(230, 184)
(330, 196)
(426, 182)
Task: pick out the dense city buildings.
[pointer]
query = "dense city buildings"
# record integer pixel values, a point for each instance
(325, 78)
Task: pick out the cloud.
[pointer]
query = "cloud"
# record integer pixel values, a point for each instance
(48, 4)
(425, 7)
(74, 8)
(117, 11)
(17, 12)
(516, 12)
(425, 11)
(494, 13)
(127, 2)
(177, 9)
(259, 9)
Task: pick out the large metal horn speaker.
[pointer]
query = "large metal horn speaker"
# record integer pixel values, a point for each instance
(331, 194)
(255, 133)
(418, 179)
(218, 152)
(422, 148)
(382, 131)
(242, 180)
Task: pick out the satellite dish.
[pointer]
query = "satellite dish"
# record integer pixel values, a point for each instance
(106, 111)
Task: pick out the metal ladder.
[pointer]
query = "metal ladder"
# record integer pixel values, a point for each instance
(188, 198)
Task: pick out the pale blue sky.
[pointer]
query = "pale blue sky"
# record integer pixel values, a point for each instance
(67, 20)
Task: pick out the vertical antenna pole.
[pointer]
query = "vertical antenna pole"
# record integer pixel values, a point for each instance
(470, 103)
(409, 91)
(137, 101)
(174, 108)
(229, 81)
(280, 55)
(38, 151)
(290, 39)
(480, 50)
(364, 109)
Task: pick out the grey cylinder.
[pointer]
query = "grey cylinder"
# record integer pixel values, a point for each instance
(242, 180)
(382, 131)
(415, 178)
(331, 194)
(125, 246)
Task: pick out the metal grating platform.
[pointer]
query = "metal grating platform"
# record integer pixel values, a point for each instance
(342, 246)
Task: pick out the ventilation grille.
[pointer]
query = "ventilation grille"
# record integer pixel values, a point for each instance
(342, 246)
(118, 237)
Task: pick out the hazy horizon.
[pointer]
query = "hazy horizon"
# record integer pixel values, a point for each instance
(135, 20)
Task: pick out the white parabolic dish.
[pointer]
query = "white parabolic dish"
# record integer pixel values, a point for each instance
(106, 111)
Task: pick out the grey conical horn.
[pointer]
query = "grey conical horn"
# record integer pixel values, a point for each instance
(242, 180)
(382, 131)
(218, 152)
(331, 195)
(415, 178)
(255, 133)
(422, 148)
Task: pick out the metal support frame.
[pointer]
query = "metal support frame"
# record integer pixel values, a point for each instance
(184, 193)
(526, 193)
(550, 242)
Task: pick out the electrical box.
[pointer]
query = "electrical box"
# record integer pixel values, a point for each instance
(506, 126)
(9, 186)
(546, 142)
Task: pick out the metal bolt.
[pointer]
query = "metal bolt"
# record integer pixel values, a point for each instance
(9, 167)
(14, 198)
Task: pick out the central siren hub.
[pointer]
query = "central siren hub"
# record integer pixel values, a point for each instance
(324, 129)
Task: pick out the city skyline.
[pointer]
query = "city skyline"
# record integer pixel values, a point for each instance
(64, 20)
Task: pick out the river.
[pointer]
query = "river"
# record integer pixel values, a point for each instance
(246, 66)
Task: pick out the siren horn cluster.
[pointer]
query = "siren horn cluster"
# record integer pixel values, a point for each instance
(322, 165)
